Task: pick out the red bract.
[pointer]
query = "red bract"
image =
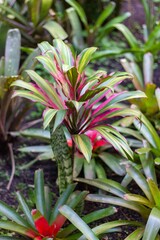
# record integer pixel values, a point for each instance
(43, 227)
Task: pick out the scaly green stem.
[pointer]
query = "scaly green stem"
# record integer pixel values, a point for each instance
(63, 157)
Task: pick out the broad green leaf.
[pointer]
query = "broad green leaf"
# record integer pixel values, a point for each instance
(139, 199)
(79, 10)
(114, 162)
(55, 29)
(153, 225)
(137, 234)
(25, 209)
(36, 133)
(140, 180)
(10, 213)
(78, 222)
(89, 169)
(35, 6)
(91, 217)
(84, 57)
(104, 15)
(45, 6)
(100, 170)
(106, 185)
(61, 201)
(119, 202)
(78, 165)
(58, 119)
(35, 149)
(14, 227)
(48, 115)
(39, 192)
(84, 145)
(12, 49)
(103, 228)
(155, 191)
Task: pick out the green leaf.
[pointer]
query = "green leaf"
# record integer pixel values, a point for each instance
(10, 213)
(84, 145)
(103, 228)
(46, 87)
(127, 34)
(84, 57)
(35, 11)
(106, 185)
(58, 119)
(39, 192)
(116, 139)
(45, 6)
(104, 15)
(114, 162)
(78, 222)
(61, 201)
(55, 29)
(139, 199)
(155, 191)
(14, 13)
(48, 115)
(65, 52)
(14, 227)
(137, 234)
(79, 10)
(91, 217)
(25, 209)
(12, 49)
(119, 202)
(140, 180)
(153, 225)
(89, 169)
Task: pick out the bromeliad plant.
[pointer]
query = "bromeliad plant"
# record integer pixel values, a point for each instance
(146, 204)
(12, 111)
(46, 222)
(74, 103)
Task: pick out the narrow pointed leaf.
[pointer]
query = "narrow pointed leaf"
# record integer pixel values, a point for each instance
(78, 222)
(79, 10)
(105, 14)
(155, 191)
(84, 145)
(153, 225)
(84, 57)
(39, 192)
(55, 29)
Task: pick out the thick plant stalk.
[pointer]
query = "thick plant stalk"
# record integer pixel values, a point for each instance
(62, 156)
